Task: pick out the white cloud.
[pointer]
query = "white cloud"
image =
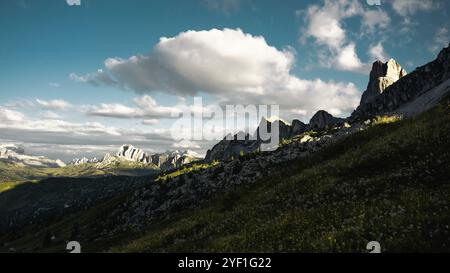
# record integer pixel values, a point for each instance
(150, 108)
(54, 84)
(145, 107)
(115, 110)
(150, 121)
(54, 104)
(17, 120)
(19, 104)
(49, 115)
(186, 144)
(373, 19)
(411, 7)
(214, 61)
(73, 2)
(441, 39)
(52, 133)
(77, 78)
(347, 59)
(377, 53)
(96, 79)
(325, 28)
(325, 24)
(8, 116)
(408, 8)
(228, 64)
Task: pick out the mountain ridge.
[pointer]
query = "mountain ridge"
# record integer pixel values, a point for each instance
(408, 88)
(127, 152)
(15, 154)
(372, 177)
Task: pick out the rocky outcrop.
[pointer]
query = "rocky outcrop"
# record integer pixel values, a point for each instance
(382, 76)
(322, 120)
(157, 201)
(175, 159)
(160, 200)
(242, 143)
(7, 149)
(159, 159)
(298, 127)
(390, 91)
(417, 86)
(284, 128)
(227, 149)
(137, 158)
(130, 153)
(15, 154)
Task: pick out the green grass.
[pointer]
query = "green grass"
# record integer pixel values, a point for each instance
(386, 119)
(5, 186)
(194, 167)
(390, 183)
(10, 172)
(33, 239)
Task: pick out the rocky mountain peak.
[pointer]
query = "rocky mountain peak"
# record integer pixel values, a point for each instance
(11, 148)
(378, 70)
(405, 94)
(273, 119)
(284, 127)
(173, 159)
(15, 154)
(322, 119)
(130, 153)
(298, 127)
(382, 76)
(394, 70)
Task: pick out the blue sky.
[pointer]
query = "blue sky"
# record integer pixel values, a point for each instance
(302, 55)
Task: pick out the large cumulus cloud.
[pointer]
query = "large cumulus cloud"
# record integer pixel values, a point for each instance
(233, 66)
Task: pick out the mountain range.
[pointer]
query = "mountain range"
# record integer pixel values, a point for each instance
(332, 185)
(15, 154)
(163, 161)
(390, 91)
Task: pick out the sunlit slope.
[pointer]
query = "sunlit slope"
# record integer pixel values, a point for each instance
(390, 183)
(11, 172)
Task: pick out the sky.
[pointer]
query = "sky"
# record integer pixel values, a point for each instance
(82, 77)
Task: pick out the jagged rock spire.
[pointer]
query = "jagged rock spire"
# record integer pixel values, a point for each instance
(382, 76)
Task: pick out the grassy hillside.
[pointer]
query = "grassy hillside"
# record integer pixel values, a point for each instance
(10, 172)
(390, 183)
